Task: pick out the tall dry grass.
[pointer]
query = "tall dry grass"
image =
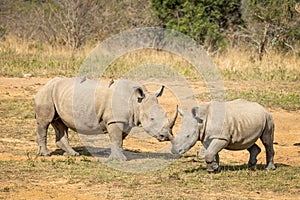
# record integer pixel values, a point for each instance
(152, 59)
(18, 56)
(22, 46)
(240, 64)
(274, 81)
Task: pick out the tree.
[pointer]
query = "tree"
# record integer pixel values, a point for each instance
(206, 21)
(272, 24)
(72, 23)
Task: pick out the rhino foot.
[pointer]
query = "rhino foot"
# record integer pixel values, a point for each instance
(71, 153)
(270, 167)
(212, 167)
(119, 157)
(252, 165)
(43, 152)
(117, 153)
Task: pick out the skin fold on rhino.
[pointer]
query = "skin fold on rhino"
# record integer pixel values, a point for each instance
(91, 107)
(233, 125)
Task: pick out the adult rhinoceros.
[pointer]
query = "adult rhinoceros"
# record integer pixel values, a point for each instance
(92, 107)
(239, 127)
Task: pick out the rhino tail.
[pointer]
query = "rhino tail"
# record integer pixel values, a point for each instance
(111, 82)
(270, 123)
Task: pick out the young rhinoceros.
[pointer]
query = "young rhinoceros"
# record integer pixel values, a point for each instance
(233, 125)
(92, 107)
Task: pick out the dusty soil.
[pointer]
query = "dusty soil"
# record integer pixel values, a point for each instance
(287, 136)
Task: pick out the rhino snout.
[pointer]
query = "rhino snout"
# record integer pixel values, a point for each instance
(178, 151)
(174, 151)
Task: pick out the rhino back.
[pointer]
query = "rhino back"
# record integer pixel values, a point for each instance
(89, 106)
(76, 104)
(243, 124)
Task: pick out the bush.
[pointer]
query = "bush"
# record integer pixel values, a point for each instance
(206, 21)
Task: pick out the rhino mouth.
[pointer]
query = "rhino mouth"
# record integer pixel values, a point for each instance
(178, 151)
(162, 138)
(173, 151)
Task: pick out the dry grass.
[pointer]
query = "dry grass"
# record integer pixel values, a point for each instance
(277, 75)
(238, 64)
(21, 46)
(19, 57)
(151, 58)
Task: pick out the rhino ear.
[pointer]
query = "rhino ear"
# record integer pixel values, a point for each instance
(196, 114)
(139, 93)
(159, 92)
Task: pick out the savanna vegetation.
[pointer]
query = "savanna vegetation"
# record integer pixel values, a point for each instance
(254, 44)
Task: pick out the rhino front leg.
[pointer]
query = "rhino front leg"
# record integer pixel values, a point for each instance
(62, 140)
(116, 139)
(212, 156)
(42, 139)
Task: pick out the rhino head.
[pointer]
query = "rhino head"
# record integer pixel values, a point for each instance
(189, 132)
(152, 117)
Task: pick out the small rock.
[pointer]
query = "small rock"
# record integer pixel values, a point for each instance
(27, 75)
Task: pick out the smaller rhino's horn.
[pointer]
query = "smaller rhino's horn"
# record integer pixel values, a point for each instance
(172, 122)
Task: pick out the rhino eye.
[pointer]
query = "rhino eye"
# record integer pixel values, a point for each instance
(152, 119)
(188, 136)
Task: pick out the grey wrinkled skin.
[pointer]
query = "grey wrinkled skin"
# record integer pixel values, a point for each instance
(91, 107)
(243, 124)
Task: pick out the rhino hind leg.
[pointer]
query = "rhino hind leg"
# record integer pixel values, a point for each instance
(267, 139)
(44, 115)
(61, 131)
(254, 150)
(212, 156)
(42, 140)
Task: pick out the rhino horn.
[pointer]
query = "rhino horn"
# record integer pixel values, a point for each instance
(180, 112)
(172, 122)
(159, 92)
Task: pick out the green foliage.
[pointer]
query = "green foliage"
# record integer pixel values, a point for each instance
(266, 24)
(212, 23)
(278, 73)
(206, 21)
(280, 19)
(269, 98)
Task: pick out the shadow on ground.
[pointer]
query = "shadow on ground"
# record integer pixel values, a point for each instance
(259, 167)
(130, 155)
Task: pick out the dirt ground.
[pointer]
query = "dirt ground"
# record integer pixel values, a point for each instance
(286, 144)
